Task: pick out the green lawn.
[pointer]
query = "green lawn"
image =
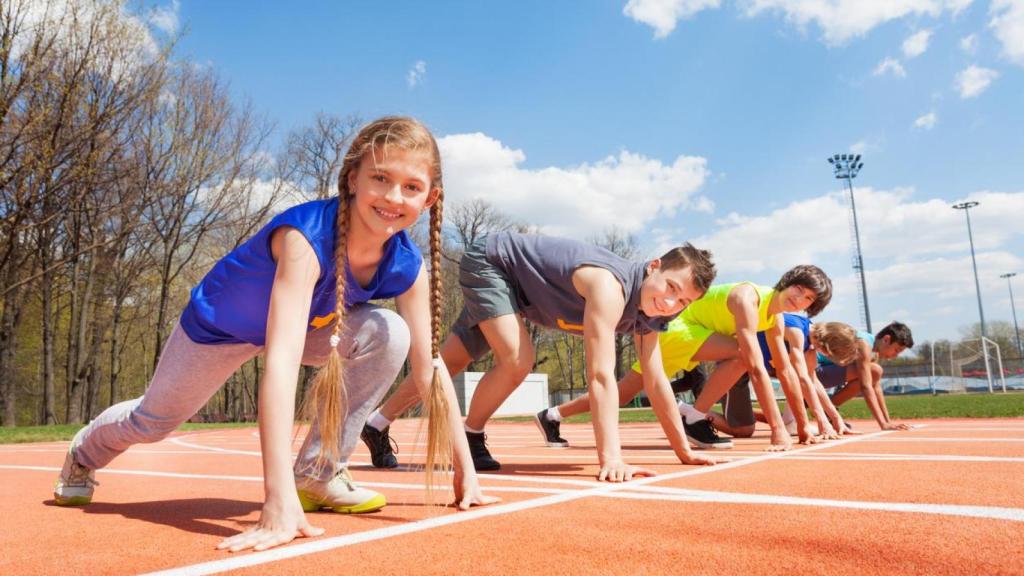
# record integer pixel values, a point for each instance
(66, 431)
(908, 407)
(900, 408)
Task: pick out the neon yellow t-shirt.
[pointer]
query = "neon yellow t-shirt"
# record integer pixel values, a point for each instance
(706, 316)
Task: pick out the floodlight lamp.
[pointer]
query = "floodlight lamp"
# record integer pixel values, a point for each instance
(965, 205)
(856, 158)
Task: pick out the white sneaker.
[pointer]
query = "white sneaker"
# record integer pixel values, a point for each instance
(791, 427)
(76, 482)
(339, 494)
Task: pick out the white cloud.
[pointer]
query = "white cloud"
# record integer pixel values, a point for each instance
(969, 43)
(916, 252)
(416, 74)
(662, 15)
(1008, 26)
(974, 80)
(864, 146)
(927, 121)
(842, 20)
(627, 191)
(916, 44)
(890, 66)
(165, 18)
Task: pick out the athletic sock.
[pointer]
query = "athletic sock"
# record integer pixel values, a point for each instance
(787, 415)
(468, 429)
(554, 415)
(691, 414)
(377, 421)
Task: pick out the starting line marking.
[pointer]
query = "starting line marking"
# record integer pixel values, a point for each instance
(304, 548)
(685, 495)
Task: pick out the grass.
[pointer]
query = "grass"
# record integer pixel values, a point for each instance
(1009, 405)
(909, 407)
(60, 432)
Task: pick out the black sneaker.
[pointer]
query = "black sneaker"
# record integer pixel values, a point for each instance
(382, 446)
(482, 459)
(550, 429)
(702, 435)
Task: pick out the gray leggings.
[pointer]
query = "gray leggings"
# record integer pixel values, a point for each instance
(374, 344)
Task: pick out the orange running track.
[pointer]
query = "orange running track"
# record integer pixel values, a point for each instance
(946, 497)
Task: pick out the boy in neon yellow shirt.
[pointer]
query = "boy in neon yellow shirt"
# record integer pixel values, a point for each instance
(722, 327)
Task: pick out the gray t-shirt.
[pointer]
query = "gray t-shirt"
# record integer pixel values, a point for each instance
(540, 270)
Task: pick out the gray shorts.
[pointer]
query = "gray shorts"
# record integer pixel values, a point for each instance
(486, 293)
(831, 376)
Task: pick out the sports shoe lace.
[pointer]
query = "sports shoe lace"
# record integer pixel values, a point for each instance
(382, 440)
(80, 476)
(346, 478)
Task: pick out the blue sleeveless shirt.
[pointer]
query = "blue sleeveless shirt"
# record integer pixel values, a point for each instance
(231, 302)
(791, 321)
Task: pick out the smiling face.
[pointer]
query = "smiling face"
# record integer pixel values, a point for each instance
(667, 292)
(390, 188)
(796, 298)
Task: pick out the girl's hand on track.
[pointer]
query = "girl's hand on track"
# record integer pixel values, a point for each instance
(280, 523)
(781, 441)
(829, 433)
(806, 437)
(622, 472)
(698, 460)
(468, 493)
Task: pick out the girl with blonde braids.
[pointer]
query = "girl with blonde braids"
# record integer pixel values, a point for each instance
(298, 292)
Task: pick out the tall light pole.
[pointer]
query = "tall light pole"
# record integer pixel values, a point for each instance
(1013, 308)
(846, 167)
(966, 207)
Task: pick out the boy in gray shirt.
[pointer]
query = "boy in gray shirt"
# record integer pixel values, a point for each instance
(573, 287)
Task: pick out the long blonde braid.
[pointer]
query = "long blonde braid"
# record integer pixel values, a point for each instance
(439, 444)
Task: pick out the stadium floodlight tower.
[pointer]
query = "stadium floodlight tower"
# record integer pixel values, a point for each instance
(846, 167)
(966, 207)
(1013, 308)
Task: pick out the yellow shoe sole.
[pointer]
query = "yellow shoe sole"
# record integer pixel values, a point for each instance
(72, 501)
(372, 505)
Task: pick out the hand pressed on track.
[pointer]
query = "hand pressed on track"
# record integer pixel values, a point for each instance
(280, 523)
(468, 492)
(619, 471)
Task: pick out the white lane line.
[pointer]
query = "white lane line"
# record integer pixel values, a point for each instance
(988, 512)
(977, 428)
(386, 485)
(179, 440)
(662, 493)
(304, 548)
(948, 439)
(129, 451)
(830, 458)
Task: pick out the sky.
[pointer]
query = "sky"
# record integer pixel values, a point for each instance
(708, 121)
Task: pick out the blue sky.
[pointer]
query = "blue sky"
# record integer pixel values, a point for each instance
(699, 120)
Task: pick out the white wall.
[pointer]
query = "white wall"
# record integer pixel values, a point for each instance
(529, 398)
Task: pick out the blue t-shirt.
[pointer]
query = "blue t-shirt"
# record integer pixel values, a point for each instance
(791, 320)
(231, 302)
(861, 335)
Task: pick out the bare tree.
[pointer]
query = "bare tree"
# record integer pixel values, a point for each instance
(316, 152)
